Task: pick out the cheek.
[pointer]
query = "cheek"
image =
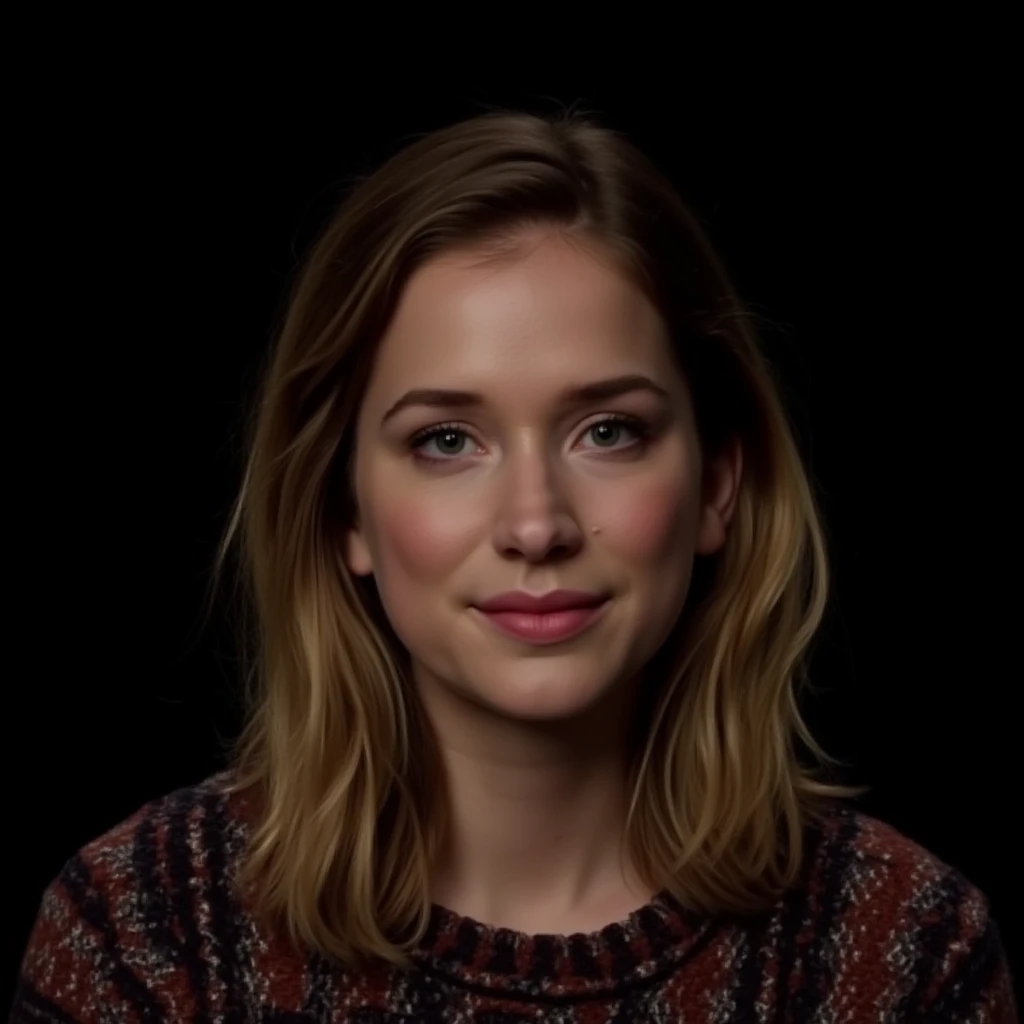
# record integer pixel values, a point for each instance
(417, 547)
(423, 541)
(649, 522)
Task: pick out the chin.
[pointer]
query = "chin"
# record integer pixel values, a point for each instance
(548, 695)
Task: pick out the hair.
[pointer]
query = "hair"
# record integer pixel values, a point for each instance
(349, 800)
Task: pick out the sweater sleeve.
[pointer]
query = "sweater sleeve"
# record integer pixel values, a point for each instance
(76, 968)
(961, 968)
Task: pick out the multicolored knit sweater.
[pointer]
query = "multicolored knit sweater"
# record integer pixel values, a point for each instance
(143, 924)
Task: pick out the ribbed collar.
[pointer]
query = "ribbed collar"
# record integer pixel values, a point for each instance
(650, 942)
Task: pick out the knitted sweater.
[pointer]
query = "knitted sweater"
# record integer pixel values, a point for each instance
(142, 924)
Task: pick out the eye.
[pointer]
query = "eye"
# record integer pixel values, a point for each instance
(450, 439)
(610, 429)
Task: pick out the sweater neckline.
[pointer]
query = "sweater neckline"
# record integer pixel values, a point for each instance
(651, 941)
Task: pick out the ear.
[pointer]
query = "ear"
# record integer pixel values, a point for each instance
(357, 552)
(721, 487)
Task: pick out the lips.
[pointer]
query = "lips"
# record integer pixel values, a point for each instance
(554, 601)
(549, 627)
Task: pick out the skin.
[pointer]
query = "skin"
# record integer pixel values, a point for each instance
(532, 737)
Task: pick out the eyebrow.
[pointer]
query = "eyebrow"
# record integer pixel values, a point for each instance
(578, 395)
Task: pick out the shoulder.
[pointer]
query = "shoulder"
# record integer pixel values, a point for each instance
(912, 922)
(164, 842)
(160, 851)
(871, 865)
(849, 842)
(124, 909)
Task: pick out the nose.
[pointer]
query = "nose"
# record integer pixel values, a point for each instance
(535, 518)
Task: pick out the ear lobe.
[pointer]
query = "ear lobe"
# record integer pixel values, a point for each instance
(722, 476)
(710, 532)
(357, 553)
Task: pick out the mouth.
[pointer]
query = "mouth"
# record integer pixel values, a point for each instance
(545, 627)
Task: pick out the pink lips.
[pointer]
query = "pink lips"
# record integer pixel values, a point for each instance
(555, 616)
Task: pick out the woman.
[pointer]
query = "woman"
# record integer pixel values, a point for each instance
(535, 565)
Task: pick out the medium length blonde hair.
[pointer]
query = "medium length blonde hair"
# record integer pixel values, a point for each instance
(342, 771)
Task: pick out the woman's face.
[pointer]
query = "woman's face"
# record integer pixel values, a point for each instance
(506, 495)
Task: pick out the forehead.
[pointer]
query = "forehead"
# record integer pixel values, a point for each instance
(553, 314)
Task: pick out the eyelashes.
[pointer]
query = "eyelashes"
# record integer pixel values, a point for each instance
(633, 424)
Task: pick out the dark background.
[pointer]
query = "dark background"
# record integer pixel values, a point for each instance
(862, 203)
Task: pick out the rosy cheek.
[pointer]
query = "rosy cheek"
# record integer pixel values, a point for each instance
(424, 540)
(649, 521)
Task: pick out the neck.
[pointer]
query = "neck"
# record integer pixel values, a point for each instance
(536, 831)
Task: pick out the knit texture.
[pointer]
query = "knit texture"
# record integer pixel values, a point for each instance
(143, 924)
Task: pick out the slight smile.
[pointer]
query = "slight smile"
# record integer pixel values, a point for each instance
(544, 627)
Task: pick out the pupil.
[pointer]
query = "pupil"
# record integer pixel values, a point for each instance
(450, 437)
(604, 429)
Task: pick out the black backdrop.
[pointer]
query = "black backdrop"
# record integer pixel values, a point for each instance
(862, 207)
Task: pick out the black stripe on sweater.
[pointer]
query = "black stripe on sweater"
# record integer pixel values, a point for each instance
(542, 963)
(153, 906)
(623, 954)
(93, 910)
(503, 956)
(181, 870)
(226, 935)
(749, 973)
(819, 966)
(932, 941)
(964, 990)
(319, 991)
(794, 906)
